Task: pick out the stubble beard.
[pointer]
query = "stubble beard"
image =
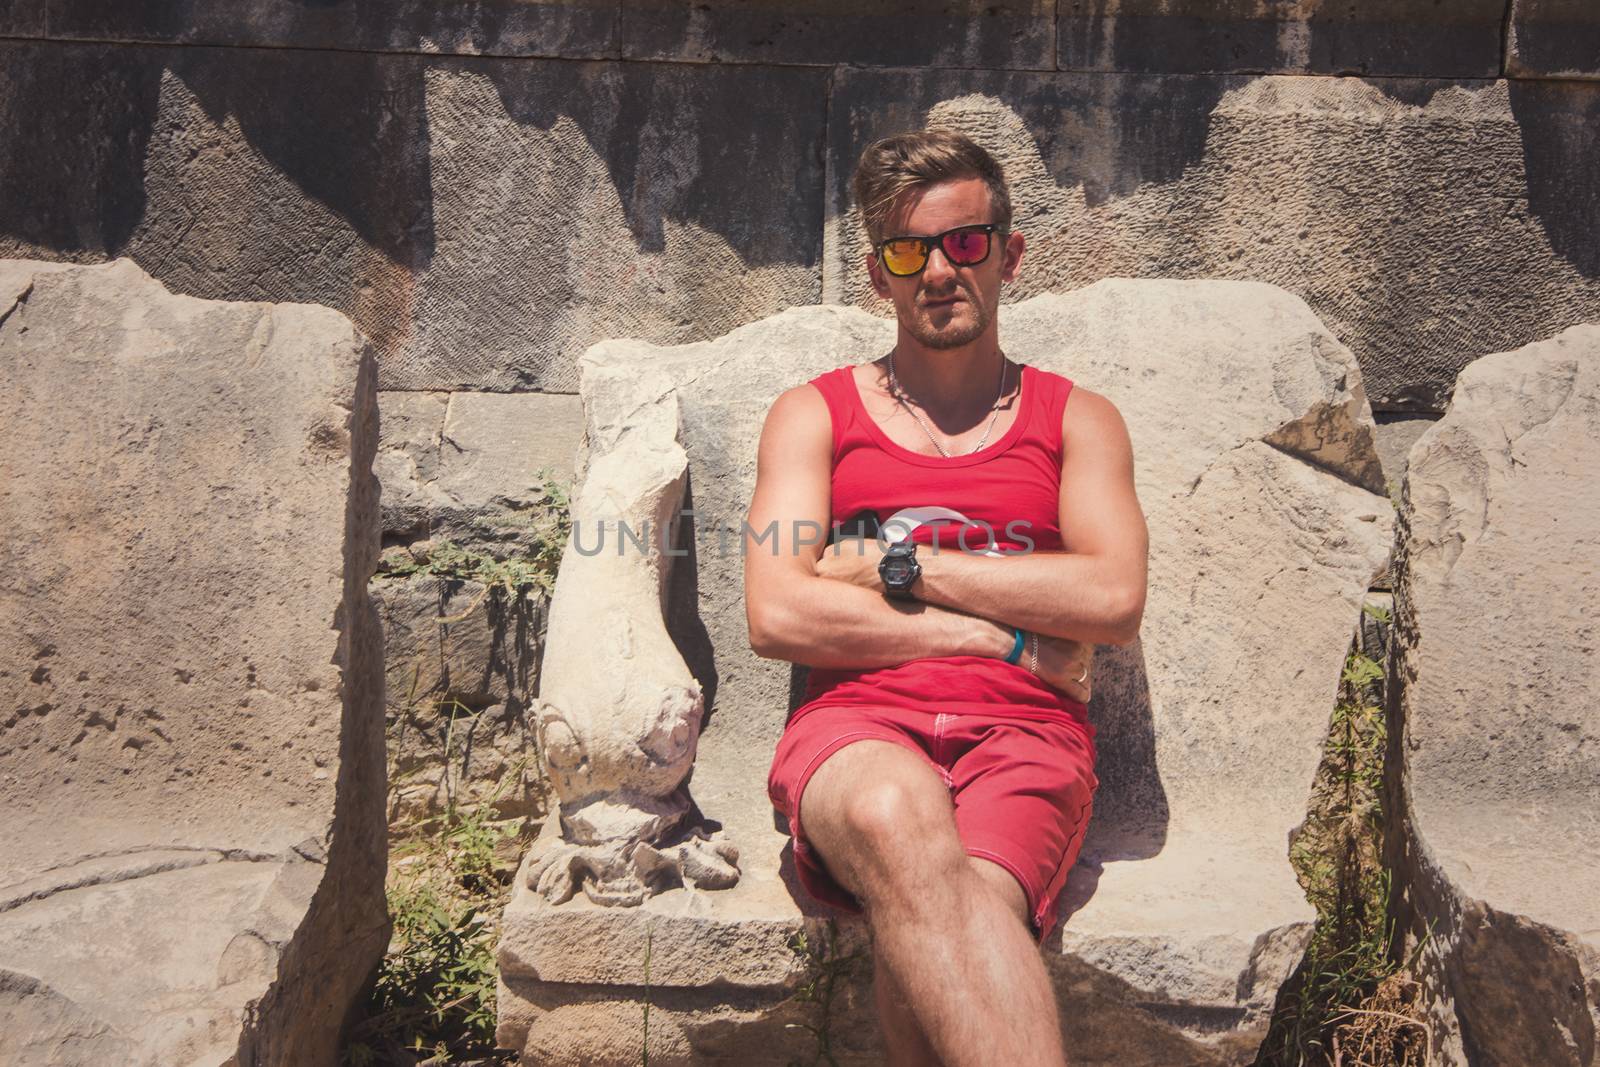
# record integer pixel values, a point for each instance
(952, 335)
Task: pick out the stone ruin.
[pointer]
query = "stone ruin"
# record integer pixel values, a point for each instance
(1265, 498)
(466, 481)
(191, 746)
(191, 752)
(1495, 719)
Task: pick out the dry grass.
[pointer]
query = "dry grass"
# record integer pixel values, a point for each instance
(1386, 1031)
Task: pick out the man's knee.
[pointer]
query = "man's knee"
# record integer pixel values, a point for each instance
(873, 809)
(896, 809)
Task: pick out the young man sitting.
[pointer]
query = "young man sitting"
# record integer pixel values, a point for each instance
(939, 774)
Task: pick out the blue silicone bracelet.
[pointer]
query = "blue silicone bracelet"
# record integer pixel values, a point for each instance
(1016, 650)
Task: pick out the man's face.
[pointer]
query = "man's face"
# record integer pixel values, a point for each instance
(946, 306)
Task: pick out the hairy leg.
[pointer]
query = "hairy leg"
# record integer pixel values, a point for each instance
(904, 1041)
(946, 928)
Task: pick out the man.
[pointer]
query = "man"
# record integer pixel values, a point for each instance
(939, 774)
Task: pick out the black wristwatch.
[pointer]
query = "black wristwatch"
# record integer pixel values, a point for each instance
(899, 569)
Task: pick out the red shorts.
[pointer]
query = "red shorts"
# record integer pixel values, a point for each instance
(1023, 789)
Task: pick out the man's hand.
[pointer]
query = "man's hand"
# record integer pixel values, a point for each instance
(1061, 661)
(853, 560)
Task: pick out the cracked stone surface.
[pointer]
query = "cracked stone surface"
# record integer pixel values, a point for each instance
(191, 749)
(1497, 670)
(471, 467)
(1257, 470)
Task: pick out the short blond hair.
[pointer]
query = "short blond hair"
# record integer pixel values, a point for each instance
(893, 165)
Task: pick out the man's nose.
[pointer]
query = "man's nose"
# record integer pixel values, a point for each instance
(938, 268)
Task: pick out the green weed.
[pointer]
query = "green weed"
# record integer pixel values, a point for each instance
(434, 998)
(1338, 857)
(551, 519)
(827, 971)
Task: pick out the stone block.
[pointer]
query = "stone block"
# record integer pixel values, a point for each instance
(494, 445)
(968, 33)
(191, 678)
(1408, 38)
(1493, 698)
(476, 468)
(573, 203)
(693, 942)
(22, 18)
(1426, 222)
(412, 429)
(1553, 39)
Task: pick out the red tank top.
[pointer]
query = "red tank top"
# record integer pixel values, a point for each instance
(1001, 499)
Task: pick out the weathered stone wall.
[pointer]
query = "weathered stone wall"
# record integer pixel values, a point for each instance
(489, 188)
(471, 485)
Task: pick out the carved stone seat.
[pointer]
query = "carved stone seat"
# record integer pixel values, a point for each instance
(1268, 521)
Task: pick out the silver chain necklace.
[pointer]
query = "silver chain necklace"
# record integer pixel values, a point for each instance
(900, 395)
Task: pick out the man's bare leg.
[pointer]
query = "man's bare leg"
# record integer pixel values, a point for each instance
(882, 820)
(904, 1042)
(904, 1039)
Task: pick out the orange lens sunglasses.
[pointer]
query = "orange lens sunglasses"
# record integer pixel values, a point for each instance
(964, 246)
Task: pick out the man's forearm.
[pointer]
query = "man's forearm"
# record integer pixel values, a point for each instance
(1062, 594)
(832, 624)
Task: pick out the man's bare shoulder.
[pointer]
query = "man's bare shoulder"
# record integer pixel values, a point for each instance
(800, 401)
(800, 407)
(799, 423)
(1092, 424)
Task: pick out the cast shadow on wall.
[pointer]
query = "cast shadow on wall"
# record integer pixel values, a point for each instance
(352, 132)
(349, 131)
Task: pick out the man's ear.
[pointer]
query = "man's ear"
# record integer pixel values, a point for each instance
(1016, 244)
(880, 284)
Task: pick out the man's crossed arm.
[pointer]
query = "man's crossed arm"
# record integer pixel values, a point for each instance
(1094, 591)
(825, 608)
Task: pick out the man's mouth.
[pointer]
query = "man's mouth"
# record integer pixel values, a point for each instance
(943, 301)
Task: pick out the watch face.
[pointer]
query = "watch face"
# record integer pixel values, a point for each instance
(896, 569)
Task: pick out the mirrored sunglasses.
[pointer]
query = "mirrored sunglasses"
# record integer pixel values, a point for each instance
(964, 246)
